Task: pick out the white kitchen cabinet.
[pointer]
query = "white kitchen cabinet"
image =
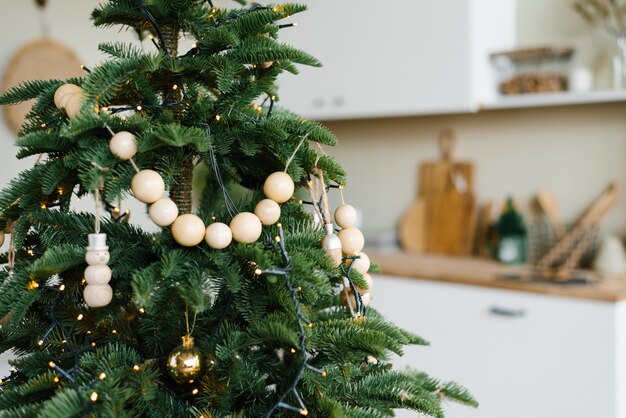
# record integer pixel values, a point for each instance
(399, 57)
(521, 354)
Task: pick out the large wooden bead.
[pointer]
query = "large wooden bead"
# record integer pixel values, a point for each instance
(62, 92)
(279, 187)
(188, 230)
(361, 264)
(246, 227)
(99, 274)
(163, 212)
(147, 186)
(218, 236)
(345, 216)
(268, 211)
(74, 105)
(332, 245)
(123, 145)
(352, 241)
(2, 237)
(370, 284)
(98, 295)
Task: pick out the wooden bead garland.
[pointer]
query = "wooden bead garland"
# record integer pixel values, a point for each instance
(268, 211)
(189, 230)
(246, 227)
(163, 212)
(97, 293)
(218, 236)
(279, 187)
(147, 186)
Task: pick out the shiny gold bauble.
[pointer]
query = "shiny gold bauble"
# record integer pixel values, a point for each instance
(184, 364)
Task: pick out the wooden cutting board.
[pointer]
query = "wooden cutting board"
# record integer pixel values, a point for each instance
(443, 218)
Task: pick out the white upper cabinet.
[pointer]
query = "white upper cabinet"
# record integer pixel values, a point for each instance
(397, 57)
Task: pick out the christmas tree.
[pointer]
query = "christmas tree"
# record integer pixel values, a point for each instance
(242, 304)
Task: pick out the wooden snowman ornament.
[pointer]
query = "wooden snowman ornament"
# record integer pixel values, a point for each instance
(97, 293)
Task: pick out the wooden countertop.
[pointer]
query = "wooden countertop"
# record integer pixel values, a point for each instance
(489, 273)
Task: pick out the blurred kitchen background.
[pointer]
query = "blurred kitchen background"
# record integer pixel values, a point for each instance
(444, 110)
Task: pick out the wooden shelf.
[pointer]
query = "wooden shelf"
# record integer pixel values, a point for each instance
(554, 99)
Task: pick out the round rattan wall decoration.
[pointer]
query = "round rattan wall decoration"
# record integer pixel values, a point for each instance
(40, 59)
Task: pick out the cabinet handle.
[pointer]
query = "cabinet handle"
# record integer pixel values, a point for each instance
(511, 313)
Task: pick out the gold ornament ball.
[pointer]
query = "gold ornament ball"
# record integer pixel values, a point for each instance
(62, 92)
(370, 284)
(74, 105)
(97, 295)
(362, 264)
(184, 363)
(345, 216)
(123, 145)
(147, 186)
(279, 187)
(352, 241)
(218, 236)
(163, 212)
(268, 211)
(246, 227)
(188, 230)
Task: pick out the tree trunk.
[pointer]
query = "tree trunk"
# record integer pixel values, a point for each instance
(181, 189)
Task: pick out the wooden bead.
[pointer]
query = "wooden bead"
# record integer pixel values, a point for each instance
(98, 295)
(352, 241)
(370, 284)
(2, 237)
(163, 212)
(362, 264)
(99, 274)
(123, 145)
(188, 230)
(147, 186)
(345, 216)
(218, 235)
(246, 227)
(279, 187)
(74, 105)
(332, 245)
(97, 258)
(268, 211)
(63, 91)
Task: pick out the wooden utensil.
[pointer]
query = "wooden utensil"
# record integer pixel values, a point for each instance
(577, 240)
(445, 175)
(412, 225)
(549, 204)
(443, 218)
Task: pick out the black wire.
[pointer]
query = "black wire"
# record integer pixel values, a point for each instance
(154, 24)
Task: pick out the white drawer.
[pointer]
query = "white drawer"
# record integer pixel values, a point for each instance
(521, 354)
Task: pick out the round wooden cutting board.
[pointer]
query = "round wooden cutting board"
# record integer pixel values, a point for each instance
(40, 59)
